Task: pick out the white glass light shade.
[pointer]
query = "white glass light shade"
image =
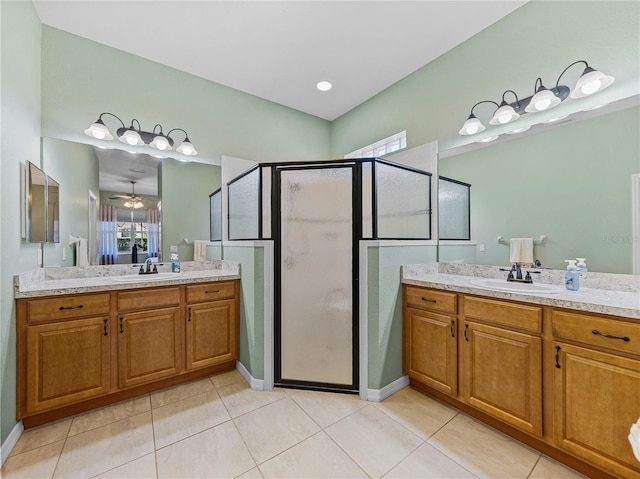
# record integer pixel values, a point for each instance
(99, 130)
(472, 126)
(591, 82)
(160, 142)
(541, 101)
(186, 148)
(131, 137)
(503, 115)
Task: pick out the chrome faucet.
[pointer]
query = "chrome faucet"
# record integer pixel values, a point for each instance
(515, 273)
(146, 268)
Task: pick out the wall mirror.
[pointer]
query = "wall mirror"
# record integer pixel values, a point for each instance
(177, 191)
(36, 210)
(571, 183)
(53, 210)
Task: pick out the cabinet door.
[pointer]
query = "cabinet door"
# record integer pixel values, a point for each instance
(597, 398)
(211, 333)
(148, 346)
(432, 350)
(67, 362)
(503, 374)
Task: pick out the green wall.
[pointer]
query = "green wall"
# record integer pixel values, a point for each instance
(81, 79)
(20, 141)
(185, 189)
(75, 167)
(538, 39)
(571, 183)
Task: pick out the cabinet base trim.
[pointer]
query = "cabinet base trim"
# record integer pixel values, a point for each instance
(10, 442)
(541, 446)
(73, 409)
(379, 395)
(255, 384)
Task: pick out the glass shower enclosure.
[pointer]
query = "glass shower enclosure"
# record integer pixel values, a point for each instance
(317, 213)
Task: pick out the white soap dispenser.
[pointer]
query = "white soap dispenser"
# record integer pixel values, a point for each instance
(582, 266)
(571, 276)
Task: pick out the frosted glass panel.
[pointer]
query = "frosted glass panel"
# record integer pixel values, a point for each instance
(403, 206)
(266, 202)
(316, 275)
(367, 200)
(244, 206)
(215, 216)
(453, 210)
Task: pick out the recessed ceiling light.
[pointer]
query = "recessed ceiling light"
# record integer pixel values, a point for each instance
(518, 130)
(595, 107)
(487, 140)
(324, 86)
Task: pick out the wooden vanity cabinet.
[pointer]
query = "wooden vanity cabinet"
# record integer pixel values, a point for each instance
(80, 351)
(212, 334)
(596, 388)
(501, 366)
(64, 351)
(430, 344)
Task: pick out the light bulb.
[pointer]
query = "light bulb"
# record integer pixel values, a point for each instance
(591, 87)
(187, 151)
(131, 140)
(472, 129)
(542, 104)
(99, 134)
(504, 119)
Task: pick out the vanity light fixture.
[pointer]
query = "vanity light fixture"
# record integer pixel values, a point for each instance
(137, 137)
(591, 81)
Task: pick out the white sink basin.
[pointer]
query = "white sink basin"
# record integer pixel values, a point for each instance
(144, 278)
(513, 287)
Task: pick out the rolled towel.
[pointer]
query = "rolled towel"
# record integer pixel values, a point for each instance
(521, 251)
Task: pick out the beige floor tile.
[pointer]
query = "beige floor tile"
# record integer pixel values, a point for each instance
(374, 440)
(315, 457)
(181, 419)
(484, 451)
(417, 412)
(36, 463)
(180, 392)
(108, 414)
(142, 468)
(41, 436)
(104, 448)
(548, 468)
(241, 399)
(252, 474)
(216, 452)
(275, 427)
(221, 380)
(427, 462)
(327, 408)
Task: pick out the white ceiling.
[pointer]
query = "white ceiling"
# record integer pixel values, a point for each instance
(279, 50)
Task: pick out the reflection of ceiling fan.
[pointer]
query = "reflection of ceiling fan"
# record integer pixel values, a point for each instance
(133, 201)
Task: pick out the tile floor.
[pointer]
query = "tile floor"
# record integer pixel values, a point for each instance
(218, 427)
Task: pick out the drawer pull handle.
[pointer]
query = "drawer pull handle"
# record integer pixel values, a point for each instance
(453, 323)
(623, 338)
(121, 327)
(558, 357)
(429, 300)
(62, 308)
(466, 336)
(212, 292)
(105, 327)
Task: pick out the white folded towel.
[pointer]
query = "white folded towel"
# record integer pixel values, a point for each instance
(521, 251)
(200, 250)
(82, 250)
(634, 439)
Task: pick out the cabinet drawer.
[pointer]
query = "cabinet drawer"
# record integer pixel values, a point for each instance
(65, 307)
(598, 331)
(519, 316)
(432, 300)
(210, 292)
(151, 298)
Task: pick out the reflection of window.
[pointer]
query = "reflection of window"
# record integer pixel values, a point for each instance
(383, 147)
(132, 228)
(454, 207)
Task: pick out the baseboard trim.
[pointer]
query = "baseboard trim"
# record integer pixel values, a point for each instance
(12, 439)
(378, 395)
(255, 384)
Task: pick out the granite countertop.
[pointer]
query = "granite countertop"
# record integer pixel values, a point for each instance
(72, 280)
(616, 302)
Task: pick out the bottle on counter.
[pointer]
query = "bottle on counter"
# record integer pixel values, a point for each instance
(175, 263)
(571, 276)
(582, 265)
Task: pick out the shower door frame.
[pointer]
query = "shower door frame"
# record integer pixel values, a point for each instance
(356, 206)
